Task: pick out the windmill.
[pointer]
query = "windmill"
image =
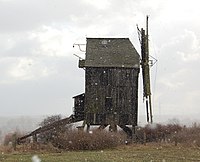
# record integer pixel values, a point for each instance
(112, 67)
(145, 65)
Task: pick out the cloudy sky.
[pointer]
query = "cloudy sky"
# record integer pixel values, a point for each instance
(39, 73)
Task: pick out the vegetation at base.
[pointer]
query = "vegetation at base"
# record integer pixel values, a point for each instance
(101, 139)
(94, 140)
(170, 133)
(156, 142)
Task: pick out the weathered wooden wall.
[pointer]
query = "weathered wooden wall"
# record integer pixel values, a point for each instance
(79, 103)
(111, 94)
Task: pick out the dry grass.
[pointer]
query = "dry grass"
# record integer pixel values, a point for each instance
(155, 152)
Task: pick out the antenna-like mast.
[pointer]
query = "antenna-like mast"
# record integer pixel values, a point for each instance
(145, 71)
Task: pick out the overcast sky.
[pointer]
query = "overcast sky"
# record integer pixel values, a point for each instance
(39, 73)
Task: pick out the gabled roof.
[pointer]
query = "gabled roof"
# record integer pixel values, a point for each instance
(111, 52)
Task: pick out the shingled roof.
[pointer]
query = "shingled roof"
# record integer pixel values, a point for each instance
(111, 52)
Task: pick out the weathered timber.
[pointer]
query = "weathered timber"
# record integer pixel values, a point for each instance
(111, 83)
(55, 125)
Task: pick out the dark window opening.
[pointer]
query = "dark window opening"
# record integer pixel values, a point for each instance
(108, 104)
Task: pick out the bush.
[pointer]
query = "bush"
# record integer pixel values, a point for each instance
(170, 133)
(188, 136)
(11, 138)
(157, 132)
(95, 140)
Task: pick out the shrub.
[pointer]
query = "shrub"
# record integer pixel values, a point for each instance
(188, 136)
(11, 138)
(95, 140)
(170, 133)
(156, 132)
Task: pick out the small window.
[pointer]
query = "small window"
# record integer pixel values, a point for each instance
(104, 42)
(108, 104)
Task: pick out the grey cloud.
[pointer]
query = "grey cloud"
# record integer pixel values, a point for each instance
(25, 15)
(177, 83)
(19, 45)
(47, 95)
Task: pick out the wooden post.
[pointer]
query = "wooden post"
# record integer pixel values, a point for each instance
(14, 141)
(35, 138)
(80, 128)
(145, 138)
(133, 136)
(88, 128)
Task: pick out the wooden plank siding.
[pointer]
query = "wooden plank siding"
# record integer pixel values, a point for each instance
(79, 107)
(111, 91)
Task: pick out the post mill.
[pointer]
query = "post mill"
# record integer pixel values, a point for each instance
(112, 67)
(111, 83)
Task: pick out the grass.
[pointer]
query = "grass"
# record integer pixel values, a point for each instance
(129, 153)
